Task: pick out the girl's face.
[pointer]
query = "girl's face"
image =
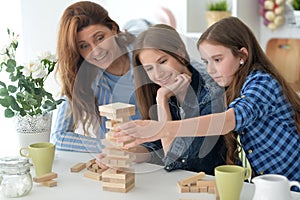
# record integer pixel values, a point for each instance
(220, 62)
(96, 45)
(161, 67)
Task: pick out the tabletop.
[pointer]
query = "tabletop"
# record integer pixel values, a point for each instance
(151, 182)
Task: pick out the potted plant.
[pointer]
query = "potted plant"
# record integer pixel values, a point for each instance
(24, 96)
(296, 7)
(216, 10)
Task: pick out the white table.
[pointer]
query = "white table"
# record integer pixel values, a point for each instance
(152, 182)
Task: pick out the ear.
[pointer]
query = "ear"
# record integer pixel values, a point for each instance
(114, 29)
(244, 53)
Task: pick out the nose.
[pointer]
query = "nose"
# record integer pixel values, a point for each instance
(211, 68)
(158, 73)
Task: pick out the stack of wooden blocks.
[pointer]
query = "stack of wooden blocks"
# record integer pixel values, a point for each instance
(119, 177)
(197, 184)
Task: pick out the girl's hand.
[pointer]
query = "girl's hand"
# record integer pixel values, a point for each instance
(137, 132)
(181, 84)
(99, 161)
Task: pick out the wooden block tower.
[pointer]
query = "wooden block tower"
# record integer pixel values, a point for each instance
(119, 177)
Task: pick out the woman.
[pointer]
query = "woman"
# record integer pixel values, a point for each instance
(94, 65)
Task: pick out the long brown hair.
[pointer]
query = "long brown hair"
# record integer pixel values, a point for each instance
(78, 89)
(234, 34)
(159, 37)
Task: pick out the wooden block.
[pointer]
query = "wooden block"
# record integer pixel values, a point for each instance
(211, 190)
(182, 188)
(110, 173)
(50, 183)
(194, 188)
(118, 108)
(123, 190)
(45, 177)
(118, 184)
(90, 163)
(78, 167)
(192, 179)
(93, 175)
(203, 189)
(206, 183)
(114, 180)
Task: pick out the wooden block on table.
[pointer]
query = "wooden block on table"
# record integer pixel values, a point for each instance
(192, 179)
(114, 189)
(207, 183)
(183, 188)
(45, 177)
(115, 184)
(211, 190)
(93, 175)
(203, 189)
(114, 180)
(90, 163)
(78, 167)
(116, 174)
(194, 188)
(50, 183)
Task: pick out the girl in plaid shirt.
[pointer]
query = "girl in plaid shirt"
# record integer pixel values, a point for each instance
(261, 107)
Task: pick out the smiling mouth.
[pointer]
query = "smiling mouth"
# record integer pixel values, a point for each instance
(165, 80)
(102, 56)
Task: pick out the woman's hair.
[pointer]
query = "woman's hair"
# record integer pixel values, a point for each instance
(159, 37)
(232, 33)
(71, 64)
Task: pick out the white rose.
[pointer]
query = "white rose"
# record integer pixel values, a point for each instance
(36, 69)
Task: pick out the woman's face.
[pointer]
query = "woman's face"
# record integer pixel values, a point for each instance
(220, 62)
(161, 67)
(96, 45)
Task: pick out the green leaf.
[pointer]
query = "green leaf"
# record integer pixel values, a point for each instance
(3, 92)
(13, 103)
(12, 89)
(9, 113)
(11, 63)
(2, 84)
(4, 102)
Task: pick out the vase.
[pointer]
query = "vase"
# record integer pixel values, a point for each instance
(33, 129)
(297, 17)
(214, 16)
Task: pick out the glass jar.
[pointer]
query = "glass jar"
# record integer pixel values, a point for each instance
(15, 177)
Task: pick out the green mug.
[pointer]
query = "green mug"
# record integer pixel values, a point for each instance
(229, 180)
(42, 155)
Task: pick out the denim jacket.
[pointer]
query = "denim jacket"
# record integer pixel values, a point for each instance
(194, 153)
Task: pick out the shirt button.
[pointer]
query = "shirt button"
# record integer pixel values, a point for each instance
(243, 133)
(167, 167)
(250, 151)
(183, 161)
(243, 96)
(261, 172)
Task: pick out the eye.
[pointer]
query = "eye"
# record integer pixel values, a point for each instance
(218, 59)
(205, 62)
(83, 46)
(99, 38)
(148, 67)
(163, 61)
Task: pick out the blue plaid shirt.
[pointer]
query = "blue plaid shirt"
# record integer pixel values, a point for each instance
(265, 123)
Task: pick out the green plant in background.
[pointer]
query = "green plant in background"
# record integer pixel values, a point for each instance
(217, 6)
(25, 94)
(296, 4)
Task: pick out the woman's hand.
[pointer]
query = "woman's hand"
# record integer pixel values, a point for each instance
(180, 86)
(137, 132)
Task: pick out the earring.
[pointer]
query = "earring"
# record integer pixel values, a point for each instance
(241, 63)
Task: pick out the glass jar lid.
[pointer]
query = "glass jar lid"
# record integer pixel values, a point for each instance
(14, 165)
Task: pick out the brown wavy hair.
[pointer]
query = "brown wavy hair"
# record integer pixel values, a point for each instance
(232, 33)
(78, 89)
(162, 37)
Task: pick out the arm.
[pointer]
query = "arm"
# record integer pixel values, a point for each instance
(148, 130)
(63, 135)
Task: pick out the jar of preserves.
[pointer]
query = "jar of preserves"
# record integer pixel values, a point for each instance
(15, 176)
